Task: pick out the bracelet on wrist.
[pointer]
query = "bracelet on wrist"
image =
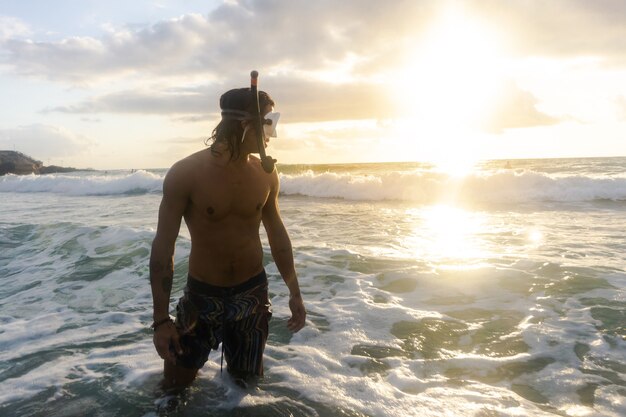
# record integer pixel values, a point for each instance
(157, 324)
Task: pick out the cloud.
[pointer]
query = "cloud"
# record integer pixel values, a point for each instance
(299, 34)
(311, 101)
(296, 44)
(11, 27)
(515, 108)
(164, 47)
(560, 27)
(303, 35)
(43, 141)
(305, 101)
(164, 102)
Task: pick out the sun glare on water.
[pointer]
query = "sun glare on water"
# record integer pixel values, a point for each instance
(447, 236)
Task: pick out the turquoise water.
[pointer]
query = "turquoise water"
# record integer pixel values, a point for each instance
(500, 293)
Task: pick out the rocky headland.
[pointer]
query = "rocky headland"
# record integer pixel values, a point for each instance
(13, 162)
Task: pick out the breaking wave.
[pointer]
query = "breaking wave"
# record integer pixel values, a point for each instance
(82, 184)
(506, 186)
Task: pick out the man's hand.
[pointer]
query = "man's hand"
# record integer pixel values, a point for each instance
(298, 313)
(165, 337)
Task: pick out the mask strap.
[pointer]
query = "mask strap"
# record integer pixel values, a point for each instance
(235, 114)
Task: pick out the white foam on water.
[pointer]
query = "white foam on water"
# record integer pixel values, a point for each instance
(84, 184)
(49, 309)
(322, 365)
(76, 298)
(427, 187)
(318, 362)
(500, 186)
(334, 373)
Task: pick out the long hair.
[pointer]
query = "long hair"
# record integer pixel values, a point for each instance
(229, 130)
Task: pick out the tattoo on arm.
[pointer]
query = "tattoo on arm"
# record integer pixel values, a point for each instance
(166, 273)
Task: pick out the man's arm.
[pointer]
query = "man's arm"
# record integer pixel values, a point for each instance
(173, 205)
(282, 252)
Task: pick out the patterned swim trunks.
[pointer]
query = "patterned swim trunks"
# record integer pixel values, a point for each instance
(238, 317)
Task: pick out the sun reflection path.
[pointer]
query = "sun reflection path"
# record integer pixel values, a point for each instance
(448, 236)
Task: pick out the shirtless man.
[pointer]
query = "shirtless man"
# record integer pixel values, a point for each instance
(223, 194)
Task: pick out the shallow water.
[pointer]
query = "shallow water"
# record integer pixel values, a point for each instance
(496, 294)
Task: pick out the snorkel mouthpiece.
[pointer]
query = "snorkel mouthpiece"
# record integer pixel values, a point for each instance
(267, 162)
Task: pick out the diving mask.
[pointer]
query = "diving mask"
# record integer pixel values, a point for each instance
(270, 122)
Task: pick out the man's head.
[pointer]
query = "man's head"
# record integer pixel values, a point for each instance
(238, 110)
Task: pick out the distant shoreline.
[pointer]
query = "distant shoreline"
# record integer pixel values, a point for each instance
(18, 163)
(28, 165)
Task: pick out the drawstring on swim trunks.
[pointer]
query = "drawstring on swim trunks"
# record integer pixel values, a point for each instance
(224, 297)
(222, 359)
(234, 306)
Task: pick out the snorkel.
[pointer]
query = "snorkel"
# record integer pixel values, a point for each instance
(267, 162)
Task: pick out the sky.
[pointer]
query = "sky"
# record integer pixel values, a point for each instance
(136, 84)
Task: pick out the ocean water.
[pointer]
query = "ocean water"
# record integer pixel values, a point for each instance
(500, 292)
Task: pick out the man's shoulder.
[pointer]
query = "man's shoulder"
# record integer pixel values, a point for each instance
(182, 173)
(195, 158)
(255, 162)
(188, 164)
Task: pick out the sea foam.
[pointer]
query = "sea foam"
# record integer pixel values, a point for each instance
(401, 318)
(427, 187)
(504, 186)
(84, 184)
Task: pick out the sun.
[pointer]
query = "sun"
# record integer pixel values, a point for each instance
(446, 86)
